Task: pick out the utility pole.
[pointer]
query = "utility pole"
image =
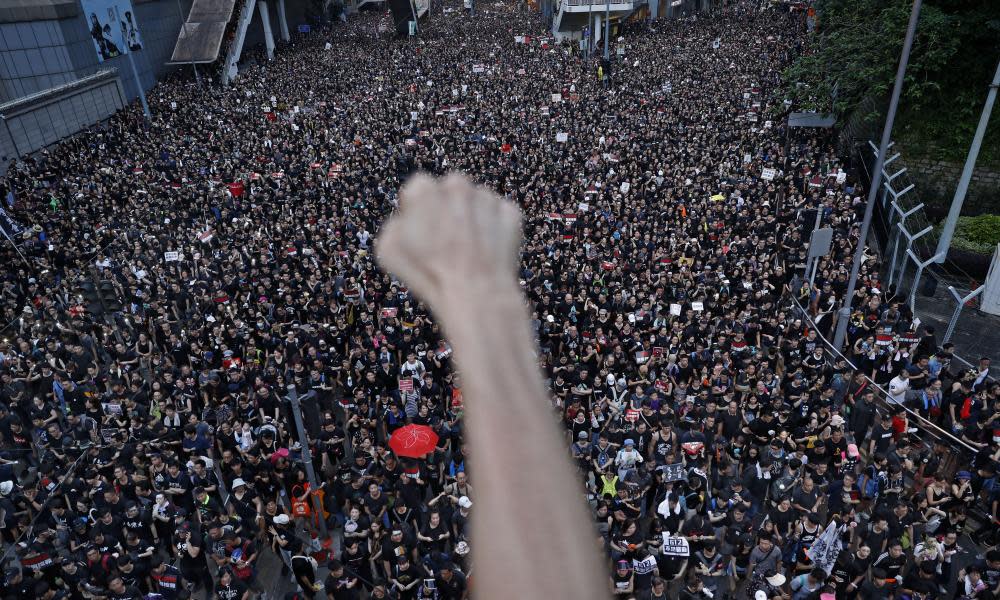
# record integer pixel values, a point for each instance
(970, 163)
(844, 315)
(607, 31)
(293, 398)
(590, 29)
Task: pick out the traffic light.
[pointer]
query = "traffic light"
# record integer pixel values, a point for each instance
(112, 302)
(100, 296)
(91, 297)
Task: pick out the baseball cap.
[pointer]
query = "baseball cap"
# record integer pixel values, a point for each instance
(465, 502)
(281, 519)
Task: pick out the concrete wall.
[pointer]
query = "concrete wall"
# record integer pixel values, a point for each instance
(938, 179)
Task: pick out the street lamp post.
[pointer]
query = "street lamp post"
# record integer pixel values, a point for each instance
(844, 315)
(607, 30)
(293, 398)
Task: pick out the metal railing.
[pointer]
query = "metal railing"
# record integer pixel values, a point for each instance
(923, 425)
(906, 240)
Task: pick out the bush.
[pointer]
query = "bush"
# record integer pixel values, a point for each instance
(977, 234)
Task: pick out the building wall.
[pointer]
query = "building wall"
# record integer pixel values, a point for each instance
(37, 121)
(45, 48)
(38, 53)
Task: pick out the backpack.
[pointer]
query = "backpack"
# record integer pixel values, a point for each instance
(868, 485)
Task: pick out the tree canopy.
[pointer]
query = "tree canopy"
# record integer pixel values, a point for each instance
(852, 57)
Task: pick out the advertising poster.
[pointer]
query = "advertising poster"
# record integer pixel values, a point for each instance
(113, 27)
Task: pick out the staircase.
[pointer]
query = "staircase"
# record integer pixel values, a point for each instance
(230, 69)
(200, 37)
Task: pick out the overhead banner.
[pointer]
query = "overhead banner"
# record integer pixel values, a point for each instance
(9, 227)
(113, 27)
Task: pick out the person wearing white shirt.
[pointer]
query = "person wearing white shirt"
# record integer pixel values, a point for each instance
(627, 459)
(898, 387)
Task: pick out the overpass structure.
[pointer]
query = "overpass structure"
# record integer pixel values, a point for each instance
(219, 27)
(573, 16)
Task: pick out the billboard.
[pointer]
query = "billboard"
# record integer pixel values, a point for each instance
(113, 27)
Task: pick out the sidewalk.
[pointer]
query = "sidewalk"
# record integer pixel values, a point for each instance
(976, 335)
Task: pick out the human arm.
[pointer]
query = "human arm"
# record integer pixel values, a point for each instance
(456, 245)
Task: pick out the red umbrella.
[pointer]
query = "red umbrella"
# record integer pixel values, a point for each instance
(413, 441)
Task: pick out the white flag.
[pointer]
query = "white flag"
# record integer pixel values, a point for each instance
(825, 550)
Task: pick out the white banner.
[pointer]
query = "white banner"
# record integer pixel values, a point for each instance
(675, 546)
(113, 27)
(768, 174)
(825, 550)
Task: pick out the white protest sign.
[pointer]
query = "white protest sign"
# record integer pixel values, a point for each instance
(747, 158)
(698, 306)
(841, 177)
(675, 310)
(625, 187)
(171, 256)
(562, 137)
(675, 546)
(768, 174)
(556, 97)
(173, 105)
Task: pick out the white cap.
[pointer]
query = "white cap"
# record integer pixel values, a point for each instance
(238, 482)
(6, 487)
(760, 595)
(465, 502)
(281, 519)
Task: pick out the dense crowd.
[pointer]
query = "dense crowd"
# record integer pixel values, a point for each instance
(667, 211)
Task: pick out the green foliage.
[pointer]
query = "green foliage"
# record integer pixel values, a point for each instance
(976, 234)
(856, 50)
